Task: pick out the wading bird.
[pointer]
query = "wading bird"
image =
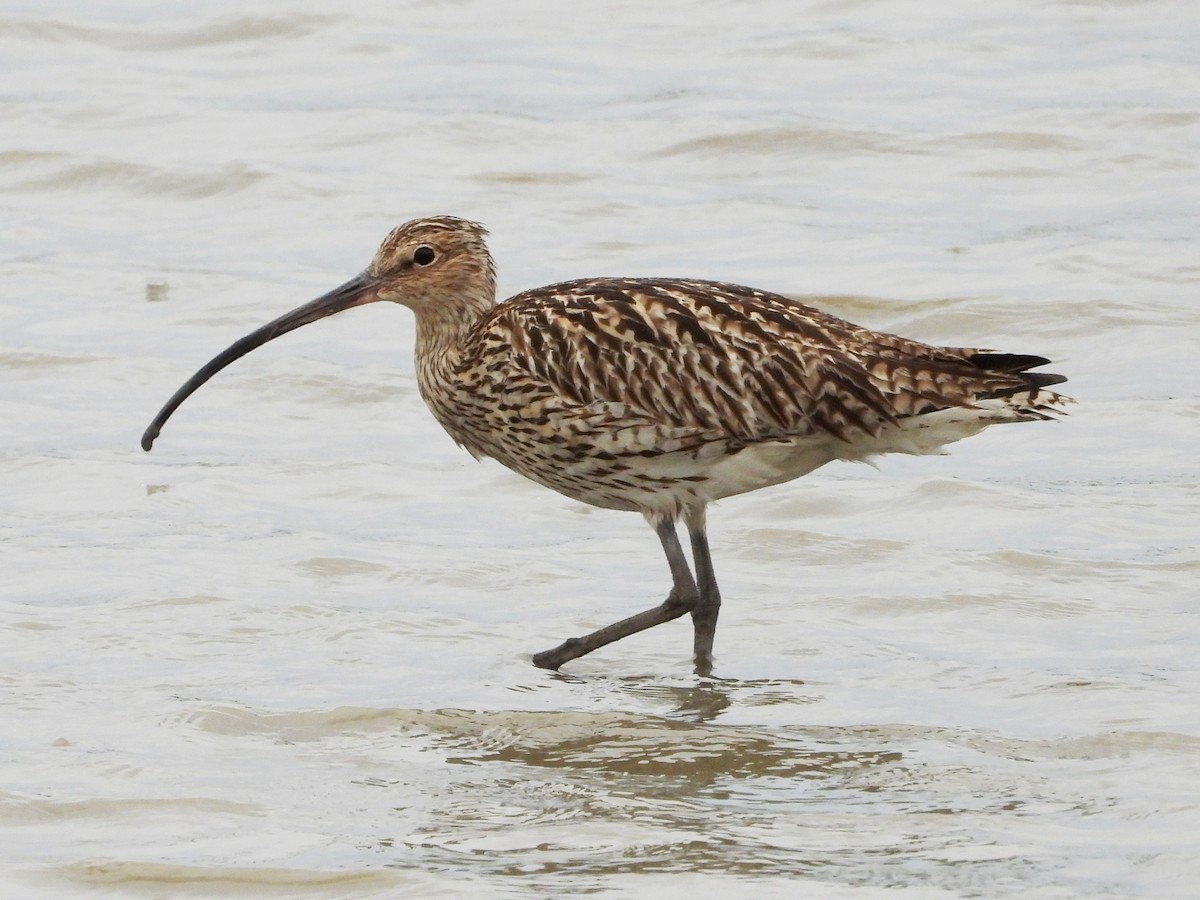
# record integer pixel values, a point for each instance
(659, 395)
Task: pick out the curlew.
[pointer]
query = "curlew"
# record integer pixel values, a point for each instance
(659, 395)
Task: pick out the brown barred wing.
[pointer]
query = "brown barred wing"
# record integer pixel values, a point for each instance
(726, 361)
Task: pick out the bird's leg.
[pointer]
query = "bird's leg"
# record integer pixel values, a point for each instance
(704, 613)
(681, 600)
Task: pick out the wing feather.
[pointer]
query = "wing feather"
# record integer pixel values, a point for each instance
(728, 362)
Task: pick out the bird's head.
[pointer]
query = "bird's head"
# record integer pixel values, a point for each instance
(436, 262)
(438, 267)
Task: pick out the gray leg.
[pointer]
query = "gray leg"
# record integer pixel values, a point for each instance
(704, 613)
(681, 600)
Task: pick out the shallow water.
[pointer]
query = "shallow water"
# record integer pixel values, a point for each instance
(287, 654)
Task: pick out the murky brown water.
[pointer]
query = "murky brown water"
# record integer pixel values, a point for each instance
(287, 654)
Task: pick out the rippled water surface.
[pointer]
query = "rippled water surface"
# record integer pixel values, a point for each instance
(287, 654)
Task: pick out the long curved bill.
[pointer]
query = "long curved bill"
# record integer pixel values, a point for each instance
(357, 291)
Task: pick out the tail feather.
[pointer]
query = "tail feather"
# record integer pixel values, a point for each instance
(1005, 362)
(1016, 364)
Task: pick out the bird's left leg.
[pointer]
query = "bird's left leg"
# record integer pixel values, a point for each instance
(704, 613)
(682, 599)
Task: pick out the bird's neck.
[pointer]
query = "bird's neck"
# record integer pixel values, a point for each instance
(442, 332)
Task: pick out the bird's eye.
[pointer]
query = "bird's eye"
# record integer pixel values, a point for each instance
(423, 256)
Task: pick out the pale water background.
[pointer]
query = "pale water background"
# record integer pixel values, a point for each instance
(287, 654)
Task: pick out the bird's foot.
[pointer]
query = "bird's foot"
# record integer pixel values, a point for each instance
(564, 652)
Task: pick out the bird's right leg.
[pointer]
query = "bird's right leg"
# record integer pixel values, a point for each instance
(682, 600)
(704, 614)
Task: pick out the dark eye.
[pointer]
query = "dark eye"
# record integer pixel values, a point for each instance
(423, 256)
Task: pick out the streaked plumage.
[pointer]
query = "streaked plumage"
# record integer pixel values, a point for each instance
(661, 395)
